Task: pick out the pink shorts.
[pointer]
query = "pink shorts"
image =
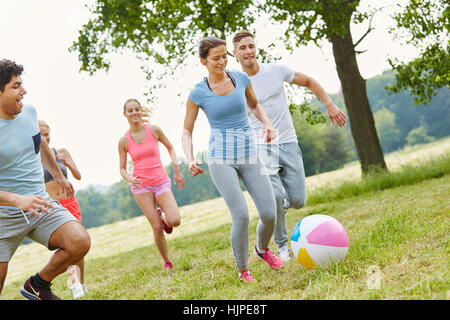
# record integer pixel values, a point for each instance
(156, 189)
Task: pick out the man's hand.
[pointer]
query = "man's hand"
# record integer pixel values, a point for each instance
(335, 114)
(194, 168)
(33, 203)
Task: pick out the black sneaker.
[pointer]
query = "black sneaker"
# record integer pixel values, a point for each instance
(29, 292)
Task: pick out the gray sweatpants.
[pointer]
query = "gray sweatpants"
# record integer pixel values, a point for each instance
(285, 166)
(255, 178)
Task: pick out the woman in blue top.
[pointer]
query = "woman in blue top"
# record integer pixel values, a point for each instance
(224, 97)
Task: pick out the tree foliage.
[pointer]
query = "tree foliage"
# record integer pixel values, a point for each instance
(324, 147)
(165, 32)
(418, 135)
(312, 21)
(396, 115)
(387, 128)
(424, 24)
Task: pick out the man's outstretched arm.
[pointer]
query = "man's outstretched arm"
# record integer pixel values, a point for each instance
(335, 114)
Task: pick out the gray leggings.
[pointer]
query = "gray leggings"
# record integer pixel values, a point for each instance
(255, 178)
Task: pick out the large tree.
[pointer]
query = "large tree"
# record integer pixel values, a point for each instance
(332, 19)
(167, 31)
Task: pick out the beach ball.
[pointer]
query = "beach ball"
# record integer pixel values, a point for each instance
(319, 240)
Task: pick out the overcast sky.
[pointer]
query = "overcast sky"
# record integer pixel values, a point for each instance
(85, 112)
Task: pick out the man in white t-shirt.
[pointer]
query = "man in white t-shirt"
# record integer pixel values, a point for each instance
(283, 156)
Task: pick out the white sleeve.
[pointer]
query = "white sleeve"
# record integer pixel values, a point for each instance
(286, 73)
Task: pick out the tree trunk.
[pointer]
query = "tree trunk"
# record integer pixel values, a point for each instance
(360, 115)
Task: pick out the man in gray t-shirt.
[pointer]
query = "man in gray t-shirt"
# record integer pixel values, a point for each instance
(283, 156)
(25, 207)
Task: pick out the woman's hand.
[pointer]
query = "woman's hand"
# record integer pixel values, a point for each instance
(66, 186)
(179, 180)
(135, 181)
(61, 157)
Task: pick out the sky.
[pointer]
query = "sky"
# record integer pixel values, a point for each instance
(85, 112)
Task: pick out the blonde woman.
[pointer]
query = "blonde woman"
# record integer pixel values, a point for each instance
(54, 190)
(149, 181)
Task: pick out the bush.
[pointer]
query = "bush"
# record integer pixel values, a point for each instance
(418, 135)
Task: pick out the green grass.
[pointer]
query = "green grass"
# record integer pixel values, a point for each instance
(405, 175)
(398, 223)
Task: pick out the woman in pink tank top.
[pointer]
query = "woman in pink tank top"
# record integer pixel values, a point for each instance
(149, 181)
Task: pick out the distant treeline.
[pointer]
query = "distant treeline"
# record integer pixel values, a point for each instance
(398, 121)
(324, 148)
(117, 203)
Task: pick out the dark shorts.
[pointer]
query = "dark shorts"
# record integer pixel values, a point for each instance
(14, 227)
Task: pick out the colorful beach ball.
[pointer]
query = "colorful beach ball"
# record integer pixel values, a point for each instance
(319, 240)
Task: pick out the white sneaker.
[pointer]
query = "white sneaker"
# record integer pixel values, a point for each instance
(284, 254)
(77, 291)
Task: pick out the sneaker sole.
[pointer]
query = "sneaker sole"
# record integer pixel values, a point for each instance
(28, 295)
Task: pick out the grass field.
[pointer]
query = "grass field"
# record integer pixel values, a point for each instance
(403, 231)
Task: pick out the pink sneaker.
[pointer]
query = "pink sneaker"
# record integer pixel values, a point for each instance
(168, 265)
(272, 260)
(246, 276)
(167, 229)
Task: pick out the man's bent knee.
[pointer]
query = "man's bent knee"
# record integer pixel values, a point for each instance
(83, 243)
(72, 237)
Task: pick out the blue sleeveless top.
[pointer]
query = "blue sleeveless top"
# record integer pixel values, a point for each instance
(231, 134)
(47, 176)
